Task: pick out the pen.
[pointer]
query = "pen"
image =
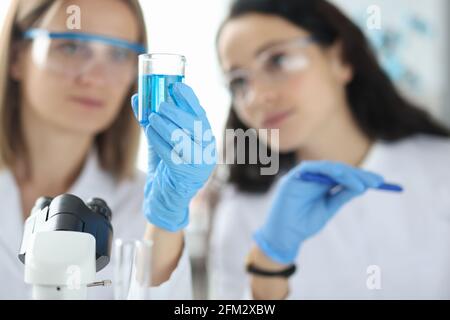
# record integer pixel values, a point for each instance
(320, 178)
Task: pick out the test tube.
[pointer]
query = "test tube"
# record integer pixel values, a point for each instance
(132, 269)
(156, 73)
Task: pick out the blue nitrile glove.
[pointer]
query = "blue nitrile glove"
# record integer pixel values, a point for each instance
(301, 209)
(182, 155)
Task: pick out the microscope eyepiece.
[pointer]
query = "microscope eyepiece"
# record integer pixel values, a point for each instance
(41, 203)
(99, 206)
(69, 213)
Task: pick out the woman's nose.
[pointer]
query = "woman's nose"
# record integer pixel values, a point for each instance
(95, 73)
(262, 94)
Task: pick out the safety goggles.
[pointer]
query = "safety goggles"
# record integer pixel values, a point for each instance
(72, 54)
(273, 66)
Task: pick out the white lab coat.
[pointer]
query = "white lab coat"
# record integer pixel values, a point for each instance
(379, 246)
(124, 199)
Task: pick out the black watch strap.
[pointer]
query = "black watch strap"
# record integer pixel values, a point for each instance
(286, 273)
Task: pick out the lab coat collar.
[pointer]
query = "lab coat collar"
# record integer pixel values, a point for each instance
(374, 156)
(93, 179)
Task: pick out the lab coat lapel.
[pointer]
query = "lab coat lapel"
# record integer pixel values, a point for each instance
(93, 181)
(11, 223)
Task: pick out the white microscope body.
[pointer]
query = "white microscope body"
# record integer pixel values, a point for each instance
(60, 265)
(59, 249)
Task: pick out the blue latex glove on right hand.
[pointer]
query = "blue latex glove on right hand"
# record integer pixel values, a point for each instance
(301, 209)
(175, 134)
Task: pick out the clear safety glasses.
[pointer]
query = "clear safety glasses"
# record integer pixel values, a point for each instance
(72, 54)
(273, 66)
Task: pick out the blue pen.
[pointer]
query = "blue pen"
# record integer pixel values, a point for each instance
(320, 178)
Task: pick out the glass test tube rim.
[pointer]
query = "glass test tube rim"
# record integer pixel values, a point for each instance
(162, 63)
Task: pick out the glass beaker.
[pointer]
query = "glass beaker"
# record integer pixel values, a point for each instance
(157, 72)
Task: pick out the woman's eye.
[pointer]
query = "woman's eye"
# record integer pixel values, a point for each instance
(237, 85)
(120, 55)
(277, 60)
(286, 63)
(71, 48)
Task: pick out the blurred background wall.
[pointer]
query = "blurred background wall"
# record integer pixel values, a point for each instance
(412, 45)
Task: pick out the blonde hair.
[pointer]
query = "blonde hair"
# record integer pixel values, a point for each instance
(117, 146)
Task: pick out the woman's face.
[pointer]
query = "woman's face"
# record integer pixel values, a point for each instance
(89, 102)
(300, 105)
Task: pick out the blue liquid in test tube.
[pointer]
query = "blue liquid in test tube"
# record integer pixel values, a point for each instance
(154, 90)
(157, 73)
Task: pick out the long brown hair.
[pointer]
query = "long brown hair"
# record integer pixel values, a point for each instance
(117, 146)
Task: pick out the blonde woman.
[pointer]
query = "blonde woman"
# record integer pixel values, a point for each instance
(67, 127)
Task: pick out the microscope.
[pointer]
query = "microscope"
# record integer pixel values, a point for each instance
(65, 242)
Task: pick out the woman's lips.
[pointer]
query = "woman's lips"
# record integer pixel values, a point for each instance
(276, 119)
(88, 102)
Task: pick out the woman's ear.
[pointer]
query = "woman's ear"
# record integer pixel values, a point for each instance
(341, 69)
